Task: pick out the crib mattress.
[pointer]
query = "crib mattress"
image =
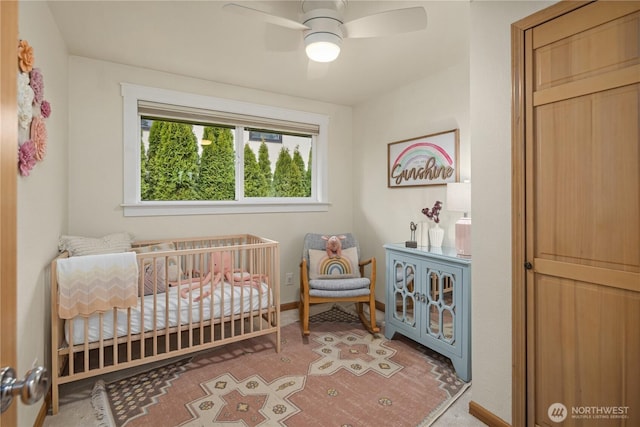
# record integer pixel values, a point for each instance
(227, 299)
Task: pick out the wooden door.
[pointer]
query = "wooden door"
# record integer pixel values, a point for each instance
(582, 216)
(8, 177)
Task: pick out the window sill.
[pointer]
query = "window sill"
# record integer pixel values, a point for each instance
(220, 208)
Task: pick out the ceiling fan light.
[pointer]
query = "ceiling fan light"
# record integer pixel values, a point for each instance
(322, 47)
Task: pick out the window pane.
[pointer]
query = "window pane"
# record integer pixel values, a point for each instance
(277, 164)
(186, 161)
(165, 169)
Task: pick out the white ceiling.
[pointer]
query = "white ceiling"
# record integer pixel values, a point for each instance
(199, 39)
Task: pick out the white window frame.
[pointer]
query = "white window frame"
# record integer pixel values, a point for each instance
(134, 206)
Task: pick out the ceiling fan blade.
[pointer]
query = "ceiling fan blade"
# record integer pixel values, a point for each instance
(280, 39)
(387, 23)
(264, 16)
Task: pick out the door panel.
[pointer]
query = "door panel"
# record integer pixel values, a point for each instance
(588, 181)
(588, 52)
(583, 210)
(587, 349)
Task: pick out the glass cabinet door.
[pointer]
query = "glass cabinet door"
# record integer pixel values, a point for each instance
(441, 307)
(404, 292)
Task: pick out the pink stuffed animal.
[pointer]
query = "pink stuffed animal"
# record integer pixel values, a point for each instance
(222, 267)
(219, 261)
(334, 245)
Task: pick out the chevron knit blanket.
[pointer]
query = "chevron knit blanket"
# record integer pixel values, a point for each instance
(91, 283)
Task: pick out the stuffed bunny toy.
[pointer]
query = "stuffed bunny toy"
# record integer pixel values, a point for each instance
(334, 245)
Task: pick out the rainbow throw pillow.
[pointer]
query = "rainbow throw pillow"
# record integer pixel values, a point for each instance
(343, 267)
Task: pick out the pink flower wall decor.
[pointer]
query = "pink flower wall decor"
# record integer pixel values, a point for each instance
(39, 137)
(45, 109)
(37, 84)
(26, 157)
(32, 111)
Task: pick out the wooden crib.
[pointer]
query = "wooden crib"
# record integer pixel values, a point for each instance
(170, 319)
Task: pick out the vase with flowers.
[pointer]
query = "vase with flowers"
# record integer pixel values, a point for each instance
(436, 233)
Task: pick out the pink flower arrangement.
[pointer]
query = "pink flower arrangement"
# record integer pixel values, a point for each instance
(45, 109)
(32, 111)
(434, 213)
(26, 157)
(37, 84)
(25, 56)
(39, 137)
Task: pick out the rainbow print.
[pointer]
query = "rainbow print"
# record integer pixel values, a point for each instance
(419, 153)
(334, 266)
(427, 160)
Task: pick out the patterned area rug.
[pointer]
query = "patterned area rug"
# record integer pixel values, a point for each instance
(340, 375)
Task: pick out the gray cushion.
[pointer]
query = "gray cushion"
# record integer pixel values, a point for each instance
(340, 284)
(338, 294)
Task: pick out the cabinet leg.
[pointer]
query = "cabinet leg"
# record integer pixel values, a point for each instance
(463, 369)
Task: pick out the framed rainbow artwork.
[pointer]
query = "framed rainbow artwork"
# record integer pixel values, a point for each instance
(426, 160)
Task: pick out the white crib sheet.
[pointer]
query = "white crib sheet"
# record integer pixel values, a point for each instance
(245, 299)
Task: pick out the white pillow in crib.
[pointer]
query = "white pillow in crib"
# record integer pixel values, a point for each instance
(79, 245)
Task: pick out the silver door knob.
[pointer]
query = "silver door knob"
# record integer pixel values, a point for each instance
(30, 389)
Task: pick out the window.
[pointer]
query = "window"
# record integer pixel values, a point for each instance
(190, 154)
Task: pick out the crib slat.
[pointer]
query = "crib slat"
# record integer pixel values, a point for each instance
(86, 345)
(100, 343)
(179, 318)
(154, 350)
(232, 322)
(129, 342)
(167, 334)
(114, 347)
(221, 304)
(201, 304)
(71, 355)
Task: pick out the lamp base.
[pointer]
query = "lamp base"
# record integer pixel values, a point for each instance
(463, 237)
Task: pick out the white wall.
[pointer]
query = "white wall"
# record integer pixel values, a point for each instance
(42, 198)
(437, 103)
(96, 174)
(490, 75)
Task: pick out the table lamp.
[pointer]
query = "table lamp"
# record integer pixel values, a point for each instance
(459, 200)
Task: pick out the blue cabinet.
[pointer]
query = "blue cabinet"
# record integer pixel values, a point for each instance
(429, 300)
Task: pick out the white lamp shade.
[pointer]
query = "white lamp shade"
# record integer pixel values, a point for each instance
(322, 47)
(459, 197)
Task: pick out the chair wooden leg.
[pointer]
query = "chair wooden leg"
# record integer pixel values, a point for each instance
(300, 309)
(304, 316)
(370, 323)
(372, 315)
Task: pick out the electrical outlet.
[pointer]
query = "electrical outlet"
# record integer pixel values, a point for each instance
(288, 279)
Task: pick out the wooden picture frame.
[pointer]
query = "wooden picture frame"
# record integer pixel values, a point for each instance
(426, 160)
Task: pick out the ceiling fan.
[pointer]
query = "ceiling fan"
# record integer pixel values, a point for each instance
(323, 25)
